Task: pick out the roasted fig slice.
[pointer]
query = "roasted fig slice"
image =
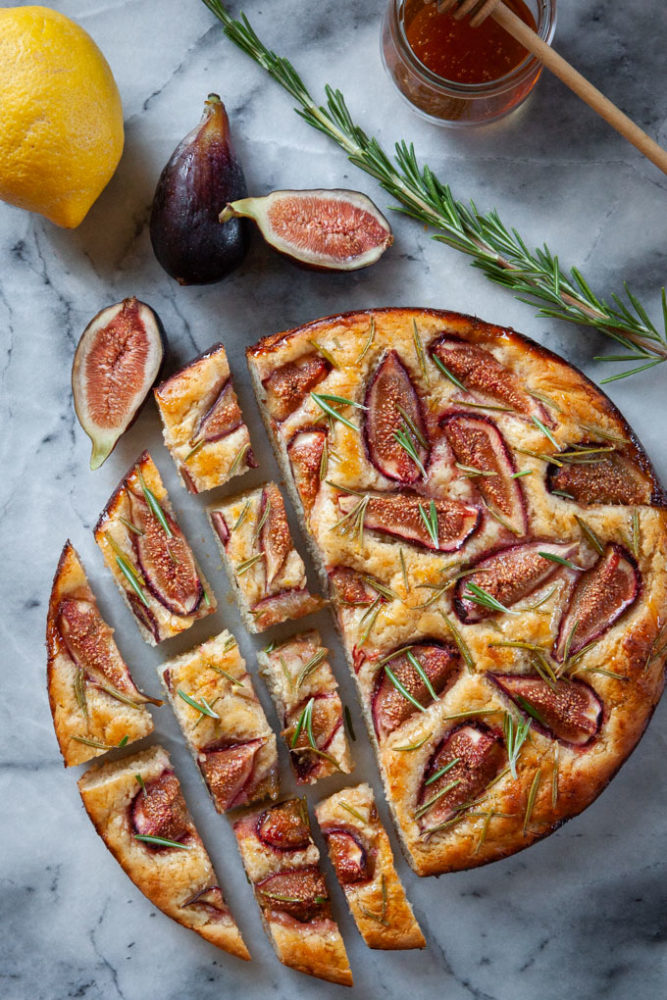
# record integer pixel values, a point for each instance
(348, 856)
(159, 810)
(165, 558)
(210, 899)
(287, 386)
(463, 765)
(306, 455)
(285, 826)
(221, 417)
(302, 893)
(425, 669)
(275, 540)
(599, 599)
(604, 478)
(228, 771)
(351, 588)
(117, 361)
(324, 722)
(394, 428)
(480, 448)
(201, 176)
(284, 606)
(508, 575)
(325, 230)
(569, 710)
(440, 525)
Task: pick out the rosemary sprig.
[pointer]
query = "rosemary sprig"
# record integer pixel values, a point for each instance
(261, 521)
(552, 557)
(436, 798)
(414, 662)
(352, 811)
(311, 665)
(419, 349)
(238, 459)
(155, 507)
(353, 521)
(242, 516)
(430, 519)
(370, 617)
(545, 430)
(382, 917)
(591, 537)
(463, 647)
(324, 402)
(401, 689)
(446, 372)
(247, 564)
(326, 354)
(371, 337)
(535, 277)
(409, 747)
(130, 527)
(635, 537)
(523, 472)
(404, 439)
(142, 783)
(133, 578)
(202, 706)
(441, 771)
(98, 744)
(516, 733)
(302, 721)
(161, 841)
(484, 599)
(530, 802)
(80, 691)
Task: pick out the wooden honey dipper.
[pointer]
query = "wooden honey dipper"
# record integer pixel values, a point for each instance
(481, 9)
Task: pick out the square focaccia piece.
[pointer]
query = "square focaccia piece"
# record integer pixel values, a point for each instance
(305, 693)
(138, 809)
(361, 855)
(495, 543)
(202, 423)
(223, 723)
(281, 861)
(149, 557)
(94, 702)
(265, 569)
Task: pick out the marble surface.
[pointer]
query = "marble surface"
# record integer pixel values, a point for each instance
(582, 913)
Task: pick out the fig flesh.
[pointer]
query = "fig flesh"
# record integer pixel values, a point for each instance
(348, 856)
(599, 599)
(228, 771)
(392, 415)
(604, 478)
(285, 827)
(117, 361)
(287, 386)
(305, 451)
(441, 665)
(275, 540)
(332, 230)
(399, 515)
(159, 810)
(326, 720)
(472, 755)
(352, 590)
(569, 710)
(302, 893)
(220, 418)
(508, 575)
(201, 176)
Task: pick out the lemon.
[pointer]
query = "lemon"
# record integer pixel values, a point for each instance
(61, 118)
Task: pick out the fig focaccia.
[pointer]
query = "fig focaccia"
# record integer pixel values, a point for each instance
(150, 558)
(495, 539)
(202, 423)
(138, 809)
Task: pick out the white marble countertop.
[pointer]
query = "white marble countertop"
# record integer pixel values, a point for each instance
(580, 914)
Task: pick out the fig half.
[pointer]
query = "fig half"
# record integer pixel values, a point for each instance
(117, 361)
(333, 230)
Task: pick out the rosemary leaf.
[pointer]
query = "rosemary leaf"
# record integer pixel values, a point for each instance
(436, 798)
(247, 564)
(238, 459)
(412, 659)
(402, 437)
(367, 345)
(242, 516)
(547, 433)
(311, 665)
(130, 527)
(463, 647)
(161, 841)
(441, 771)
(327, 355)
(554, 776)
(142, 784)
(446, 372)
(201, 706)
(552, 557)
(430, 519)
(419, 349)
(484, 599)
(80, 691)
(401, 689)
(155, 507)
(515, 737)
(413, 746)
(530, 802)
(352, 811)
(591, 537)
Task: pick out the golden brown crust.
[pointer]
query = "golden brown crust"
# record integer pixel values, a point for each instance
(578, 413)
(169, 877)
(378, 904)
(106, 720)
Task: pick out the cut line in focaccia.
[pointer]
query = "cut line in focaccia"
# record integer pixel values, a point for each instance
(305, 693)
(282, 863)
(150, 558)
(495, 542)
(223, 723)
(362, 859)
(266, 571)
(95, 704)
(138, 809)
(202, 423)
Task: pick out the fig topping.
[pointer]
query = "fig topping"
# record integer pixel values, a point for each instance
(284, 606)
(117, 360)
(301, 893)
(220, 525)
(305, 452)
(201, 175)
(287, 386)
(285, 827)
(478, 445)
(404, 515)
(159, 810)
(440, 664)
(275, 540)
(228, 771)
(209, 899)
(348, 856)
(606, 479)
(165, 558)
(326, 230)
(507, 576)
(466, 761)
(599, 599)
(568, 710)
(144, 615)
(220, 418)
(393, 427)
(325, 720)
(351, 588)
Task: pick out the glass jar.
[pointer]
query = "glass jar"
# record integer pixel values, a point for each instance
(446, 102)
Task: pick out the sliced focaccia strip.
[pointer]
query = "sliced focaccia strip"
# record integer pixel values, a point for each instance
(149, 557)
(223, 723)
(362, 858)
(202, 423)
(281, 861)
(95, 704)
(305, 693)
(265, 569)
(138, 809)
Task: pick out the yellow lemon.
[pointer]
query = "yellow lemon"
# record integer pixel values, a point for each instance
(61, 119)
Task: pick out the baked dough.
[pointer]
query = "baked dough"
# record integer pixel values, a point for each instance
(94, 702)
(202, 423)
(233, 746)
(492, 418)
(180, 881)
(361, 856)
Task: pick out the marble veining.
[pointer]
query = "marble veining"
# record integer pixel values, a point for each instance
(580, 914)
